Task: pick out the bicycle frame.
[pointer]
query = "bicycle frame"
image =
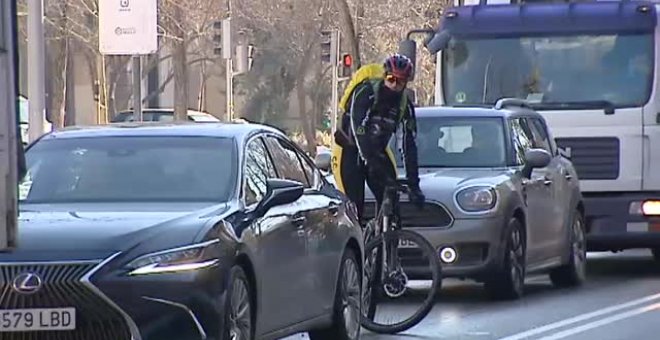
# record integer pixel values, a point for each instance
(389, 210)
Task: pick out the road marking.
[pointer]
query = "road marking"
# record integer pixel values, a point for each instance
(601, 322)
(581, 317)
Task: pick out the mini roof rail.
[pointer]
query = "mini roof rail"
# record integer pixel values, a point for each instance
(504, 102)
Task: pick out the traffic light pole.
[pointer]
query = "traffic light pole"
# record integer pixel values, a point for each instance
(242, 53)
(334, 109)
(230, 90)
(335, 97)
(330, 53)
(137, 89)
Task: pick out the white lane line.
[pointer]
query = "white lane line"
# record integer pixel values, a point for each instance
(580, 318)
(601, 322)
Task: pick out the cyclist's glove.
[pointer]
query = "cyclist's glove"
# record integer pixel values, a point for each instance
(416, 196)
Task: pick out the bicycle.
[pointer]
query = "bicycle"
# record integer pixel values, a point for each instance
(383, 234)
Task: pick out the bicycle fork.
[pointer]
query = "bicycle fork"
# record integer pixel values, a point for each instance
(391, 275)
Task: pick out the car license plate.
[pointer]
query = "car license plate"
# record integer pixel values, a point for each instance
(407, 244)
(37, 319)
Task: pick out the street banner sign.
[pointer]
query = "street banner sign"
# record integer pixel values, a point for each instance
(128, 27)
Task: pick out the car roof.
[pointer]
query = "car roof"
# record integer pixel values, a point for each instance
(474, 111)
(237, 130)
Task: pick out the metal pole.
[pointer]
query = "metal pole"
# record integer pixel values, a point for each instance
(230, 90)
(335, 95)
(36, 69)
(228, 48)
(137, 89)
(335, 85)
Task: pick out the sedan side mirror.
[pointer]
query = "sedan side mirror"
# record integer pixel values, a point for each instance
(279, 192)
(535, 158)
(322, 161)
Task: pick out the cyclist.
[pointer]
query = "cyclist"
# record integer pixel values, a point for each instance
(377, 108)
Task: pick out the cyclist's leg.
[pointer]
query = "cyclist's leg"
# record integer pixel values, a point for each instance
(377, 185)
(349, 175)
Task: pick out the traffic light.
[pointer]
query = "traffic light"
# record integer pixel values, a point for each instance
(217, 37)
(244, 58)
(329, 46)
(345, 65)
(222, 38)
(250, 56)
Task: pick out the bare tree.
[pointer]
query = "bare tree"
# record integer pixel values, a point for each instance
(286, 36)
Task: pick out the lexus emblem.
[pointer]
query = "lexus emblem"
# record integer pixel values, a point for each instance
(27, 283)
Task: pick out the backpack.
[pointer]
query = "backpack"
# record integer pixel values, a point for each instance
(373, 73)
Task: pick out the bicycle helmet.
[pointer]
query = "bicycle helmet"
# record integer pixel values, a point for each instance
(399, 66)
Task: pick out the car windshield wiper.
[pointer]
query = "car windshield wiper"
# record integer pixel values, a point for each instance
(586, 104)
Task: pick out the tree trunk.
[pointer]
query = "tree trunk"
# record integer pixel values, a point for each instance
(57, 62)
(306, 120)
(102, 83)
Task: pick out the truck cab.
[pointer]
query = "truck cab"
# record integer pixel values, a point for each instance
(591, 69)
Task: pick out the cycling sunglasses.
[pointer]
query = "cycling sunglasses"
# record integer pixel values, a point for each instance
(395, 80)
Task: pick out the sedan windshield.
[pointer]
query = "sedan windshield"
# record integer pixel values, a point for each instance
(459, 142)
(130, 169)
(555, 72)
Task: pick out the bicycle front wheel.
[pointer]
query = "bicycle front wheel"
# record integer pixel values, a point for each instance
(391, 302)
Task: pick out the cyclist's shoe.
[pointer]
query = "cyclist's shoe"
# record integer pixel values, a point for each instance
(416, 196)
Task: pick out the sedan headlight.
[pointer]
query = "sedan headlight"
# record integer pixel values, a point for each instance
(192, 257)
(476, 199)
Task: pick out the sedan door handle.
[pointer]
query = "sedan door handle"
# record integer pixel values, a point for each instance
(547, 182)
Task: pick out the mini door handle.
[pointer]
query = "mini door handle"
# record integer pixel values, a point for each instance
(299, 219)
(334, 209)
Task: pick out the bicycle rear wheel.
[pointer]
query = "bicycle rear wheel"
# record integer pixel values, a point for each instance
(415, 258)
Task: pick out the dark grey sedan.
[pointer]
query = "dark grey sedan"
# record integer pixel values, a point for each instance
(186, 231)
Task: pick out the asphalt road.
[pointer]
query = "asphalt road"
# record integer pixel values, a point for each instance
(620, 301)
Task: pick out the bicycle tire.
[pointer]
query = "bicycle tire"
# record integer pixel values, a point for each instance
(427, 305)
